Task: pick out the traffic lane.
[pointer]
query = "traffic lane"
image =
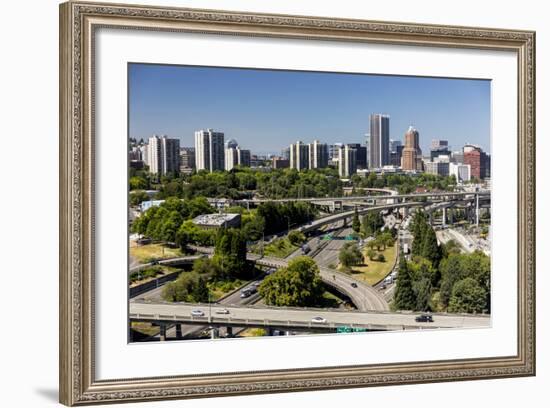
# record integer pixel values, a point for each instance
(306, 315)
(362, 295)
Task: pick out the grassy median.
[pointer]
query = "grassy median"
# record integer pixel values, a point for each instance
(374, 271)
(150, 252)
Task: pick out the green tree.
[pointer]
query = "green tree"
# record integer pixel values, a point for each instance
(355, 223)
(253, 227)
(405, 298)
(181, 289)
(372, 222)
(451, 269)
(430, 248)
(467, 297)
(299, 284)
(230, 253)
(138, 183)
(423, 293)
(200, 292)
(206, 267)
(137, 197)
(296, 238)
(372, 254)
(350, 255)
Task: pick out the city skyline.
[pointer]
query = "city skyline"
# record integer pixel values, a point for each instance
(179, 100)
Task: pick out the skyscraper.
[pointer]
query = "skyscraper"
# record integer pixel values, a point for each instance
(187, 159)
(318, 155)
(234, 156)
(412, 154)
(231, 159)
(439, 148)
(396, 151)
(231, 143)
(347, 161)
(379, 144)
(361, 153)
(163, 155)
(479, 161)
(209, 150)
(439, 144)
(243, 157)
(299, 156)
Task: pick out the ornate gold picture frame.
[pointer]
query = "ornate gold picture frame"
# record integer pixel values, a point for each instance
(78, 24)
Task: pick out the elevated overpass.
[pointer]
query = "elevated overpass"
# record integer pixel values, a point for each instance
(348, 214)
(298, 319)
(183, 260)
(444, 196)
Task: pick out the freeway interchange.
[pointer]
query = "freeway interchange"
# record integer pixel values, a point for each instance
(372, 306)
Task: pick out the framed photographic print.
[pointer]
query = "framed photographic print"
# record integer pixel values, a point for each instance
(258, 203)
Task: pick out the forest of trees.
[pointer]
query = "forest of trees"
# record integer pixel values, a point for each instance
(163, 222)
(441, 278)
(276, 183)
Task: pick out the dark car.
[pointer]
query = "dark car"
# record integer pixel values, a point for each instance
(353, 285)
(424, 318)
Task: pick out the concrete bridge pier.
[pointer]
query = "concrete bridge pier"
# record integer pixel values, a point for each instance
(405, 212)
(444, 219)
(214, 333)
(477, 210)
(229, 331)
(162, 333)
(178, 331)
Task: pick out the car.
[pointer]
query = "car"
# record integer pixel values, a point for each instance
(256, 284)
(318, 319)
(197, 313)
(353, 285)
(382, 287)
(245, 294)
(222, 311)
(424, 318)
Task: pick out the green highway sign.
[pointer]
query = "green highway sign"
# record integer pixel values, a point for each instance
(347, 329)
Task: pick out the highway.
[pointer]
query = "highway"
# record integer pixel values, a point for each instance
(234, 298)
(315, 224)
(252, 316)
(442, 195)
(363, 296)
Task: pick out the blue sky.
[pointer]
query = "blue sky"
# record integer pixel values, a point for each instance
(266, 110)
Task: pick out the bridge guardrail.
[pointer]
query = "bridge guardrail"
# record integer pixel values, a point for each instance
(320, 310)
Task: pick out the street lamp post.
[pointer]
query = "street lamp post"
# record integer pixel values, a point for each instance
(209, 308)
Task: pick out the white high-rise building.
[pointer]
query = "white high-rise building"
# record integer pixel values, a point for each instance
(299, 156)
(163, 155)
(209, 150)
(236, 156)
(379, 145)
(462, 172)
(347, 161)
(318, 155)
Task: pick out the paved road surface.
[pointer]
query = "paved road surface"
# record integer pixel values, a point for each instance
(292, 317)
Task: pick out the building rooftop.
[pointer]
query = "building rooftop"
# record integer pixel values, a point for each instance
(214, 219)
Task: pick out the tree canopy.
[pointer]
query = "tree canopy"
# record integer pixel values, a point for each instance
(299, 284)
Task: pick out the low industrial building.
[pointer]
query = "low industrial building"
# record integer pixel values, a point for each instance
(213, 221)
